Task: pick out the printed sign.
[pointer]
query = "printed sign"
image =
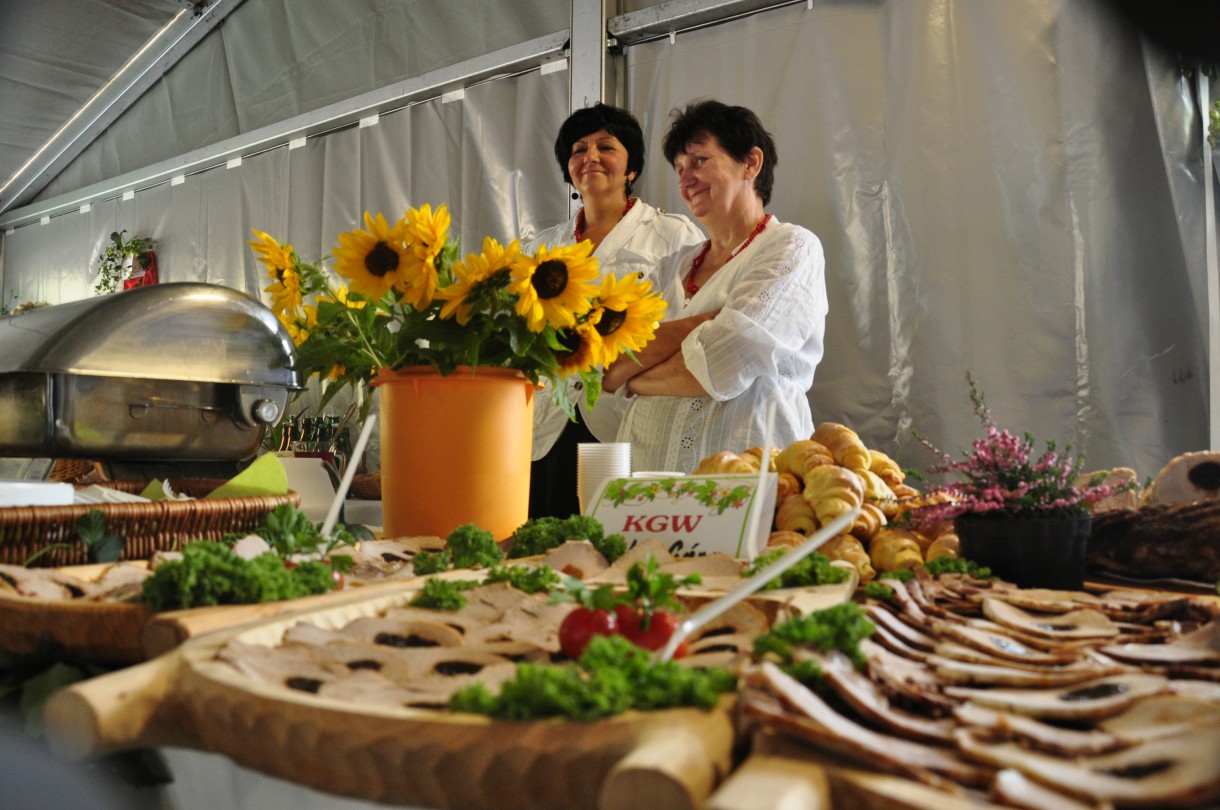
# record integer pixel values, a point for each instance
(692, 515)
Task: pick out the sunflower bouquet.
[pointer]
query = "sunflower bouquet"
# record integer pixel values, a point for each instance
(409, 300)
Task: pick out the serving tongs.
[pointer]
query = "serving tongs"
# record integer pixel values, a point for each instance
(714, 609)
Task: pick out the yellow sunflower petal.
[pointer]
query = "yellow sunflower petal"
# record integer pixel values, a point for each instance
(554, 286)
(582, 349)
(628, 312)
(374, 259)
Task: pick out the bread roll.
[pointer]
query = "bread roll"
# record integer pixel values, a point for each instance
(849, 549)
(885, 467)
(844, 445)
(892, 549)
(832, 491)
(794, 514)
(724, 462)
(801, 456)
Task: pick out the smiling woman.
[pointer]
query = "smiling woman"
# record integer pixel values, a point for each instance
(600, 151)
(747, 307)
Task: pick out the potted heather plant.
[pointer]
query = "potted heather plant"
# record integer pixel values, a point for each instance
(1019, 512)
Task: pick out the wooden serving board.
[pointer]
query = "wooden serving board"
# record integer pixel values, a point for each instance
(105, 632)
(127, 633)
(668, 759)
(782, 773)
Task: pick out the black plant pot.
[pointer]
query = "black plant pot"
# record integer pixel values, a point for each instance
(1031, 552)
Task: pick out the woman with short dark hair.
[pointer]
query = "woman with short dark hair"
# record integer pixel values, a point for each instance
(747, 308)
(600, 150)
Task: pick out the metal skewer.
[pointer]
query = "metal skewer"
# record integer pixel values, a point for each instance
(711, 610)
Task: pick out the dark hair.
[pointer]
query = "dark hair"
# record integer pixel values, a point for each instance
(618, 122)
(736, 128)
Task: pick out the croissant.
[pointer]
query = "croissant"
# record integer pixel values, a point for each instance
(876, 491)
(947, 545)
(724, 462)
(844, 445)
(892, 549)
(849, 549)
(795, 515)
(754, 456)
(801, 456)
(785, 538)
(787, 484)
(885, 467)
(869, 522)
(832, 491)
(904, 491)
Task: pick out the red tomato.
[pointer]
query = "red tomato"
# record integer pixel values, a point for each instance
(660, 626)
(581, 625)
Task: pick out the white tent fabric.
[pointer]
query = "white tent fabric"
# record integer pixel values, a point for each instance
(1009, 188)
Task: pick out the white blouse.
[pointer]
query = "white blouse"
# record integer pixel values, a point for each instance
(762, 347)
(640, 241)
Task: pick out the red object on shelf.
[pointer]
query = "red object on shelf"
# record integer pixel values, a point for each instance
(148, 277)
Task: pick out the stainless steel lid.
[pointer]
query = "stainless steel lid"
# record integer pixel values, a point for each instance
(181, 331)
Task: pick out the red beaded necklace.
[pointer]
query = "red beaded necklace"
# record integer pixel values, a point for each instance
(691, 286)
(579, 233)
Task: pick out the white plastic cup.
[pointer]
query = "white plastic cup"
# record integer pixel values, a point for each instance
(596, 462)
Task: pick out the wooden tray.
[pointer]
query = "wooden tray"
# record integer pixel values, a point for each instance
(668, 759)
(105, 632)
(148, 527)
(127, 633)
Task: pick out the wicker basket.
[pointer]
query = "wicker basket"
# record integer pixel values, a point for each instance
(366, 486)
(1166, 541)
(148, 527)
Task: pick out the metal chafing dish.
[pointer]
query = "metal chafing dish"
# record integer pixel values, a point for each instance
(185, 377)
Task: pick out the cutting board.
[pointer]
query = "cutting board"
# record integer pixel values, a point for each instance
(668, 759)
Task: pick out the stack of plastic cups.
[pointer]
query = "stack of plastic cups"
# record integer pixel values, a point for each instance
(596, 462)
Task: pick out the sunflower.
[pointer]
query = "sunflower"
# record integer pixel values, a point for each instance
(294, 327)
(277, 257)
(285, 291)
(626, 315)
(555, 285)
(582, 347)
(374, 259)
(469, 274)
(339, 296)
(426, 235)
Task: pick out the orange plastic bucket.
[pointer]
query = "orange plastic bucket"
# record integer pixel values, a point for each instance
(455, 450)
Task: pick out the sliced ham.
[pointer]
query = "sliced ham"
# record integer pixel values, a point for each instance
(1174, 772)
(1201, 646)
(893, 753)
(1068, 742)
(1074, 625)
(576, 558)
(1091, 700)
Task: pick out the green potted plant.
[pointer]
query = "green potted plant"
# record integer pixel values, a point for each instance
(457, 348)
(116, 262)
(1019, 513)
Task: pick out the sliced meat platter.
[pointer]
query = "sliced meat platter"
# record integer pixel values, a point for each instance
(1017, 698)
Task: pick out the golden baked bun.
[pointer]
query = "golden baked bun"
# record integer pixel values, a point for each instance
(725, 461)
(832, 491)
(869, 522)
(885, 467)
(794, 514)
(754, 456)
(786, 484)
(844, 444)
(946, 545)
(801, 456)
(892, 549)
(848, 548)
(785, 538)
